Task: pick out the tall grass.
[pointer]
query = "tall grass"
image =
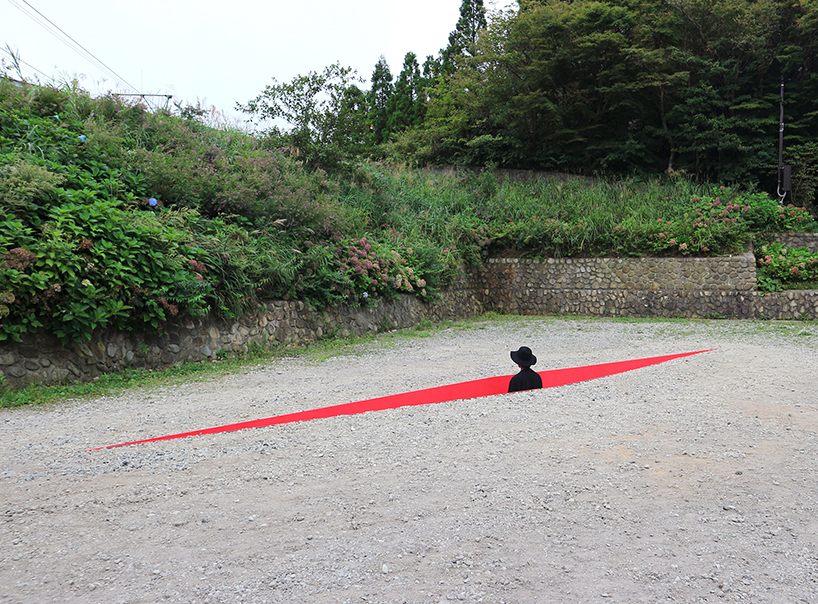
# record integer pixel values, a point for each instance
(111, 215)
(469, 215)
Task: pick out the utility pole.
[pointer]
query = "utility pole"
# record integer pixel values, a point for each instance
(144, 96)
(784, 172)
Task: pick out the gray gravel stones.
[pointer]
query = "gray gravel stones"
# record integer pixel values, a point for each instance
(689, 481)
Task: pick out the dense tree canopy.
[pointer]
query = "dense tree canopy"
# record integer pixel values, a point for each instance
(406, 106)
(610, 86)
(625, 85)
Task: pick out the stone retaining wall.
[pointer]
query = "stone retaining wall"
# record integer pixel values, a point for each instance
(722, 287)
(512, 276)
(40, 358)
(809, 240)
(606, 287)
(691, 304)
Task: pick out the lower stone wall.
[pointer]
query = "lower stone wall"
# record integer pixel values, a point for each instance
(793, 304)
(808, 240)
(40, 358)
(691, 304)
(603, 287)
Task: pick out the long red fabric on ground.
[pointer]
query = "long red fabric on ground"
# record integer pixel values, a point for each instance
(440, 394)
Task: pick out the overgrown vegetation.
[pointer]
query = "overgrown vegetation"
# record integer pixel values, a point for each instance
(116, 217)
(780, 266)
(594, 87)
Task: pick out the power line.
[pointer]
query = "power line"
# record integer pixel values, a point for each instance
(17, 59)
(84, 52)
(50, 26)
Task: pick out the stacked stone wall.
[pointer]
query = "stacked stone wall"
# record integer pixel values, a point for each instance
(510, 280)
(808, 240)
(41, 358)
(604, 287)
(721, 287)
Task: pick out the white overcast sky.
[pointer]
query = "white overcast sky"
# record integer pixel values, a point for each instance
(220, 53)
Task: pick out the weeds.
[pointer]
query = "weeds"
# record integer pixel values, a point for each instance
(113, 216)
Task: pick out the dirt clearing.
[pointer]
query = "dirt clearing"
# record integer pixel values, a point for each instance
(695, 480)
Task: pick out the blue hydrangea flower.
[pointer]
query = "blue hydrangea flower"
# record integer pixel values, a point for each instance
(366, 294)
(152, 202)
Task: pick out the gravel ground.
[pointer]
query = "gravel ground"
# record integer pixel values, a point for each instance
(689, 481)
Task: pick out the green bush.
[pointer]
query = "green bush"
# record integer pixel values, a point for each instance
(113, 216)
(23, 184)
(781, 267)
(95, 265)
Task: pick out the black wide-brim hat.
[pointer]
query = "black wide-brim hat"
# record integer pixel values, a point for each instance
(523, 357)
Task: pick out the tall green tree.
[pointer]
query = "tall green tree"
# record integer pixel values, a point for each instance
(379, 95)
(463, 40)
(315, 115)
(406, 106)
(353, 118)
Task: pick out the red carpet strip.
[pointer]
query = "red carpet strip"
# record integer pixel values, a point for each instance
(441, 394)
